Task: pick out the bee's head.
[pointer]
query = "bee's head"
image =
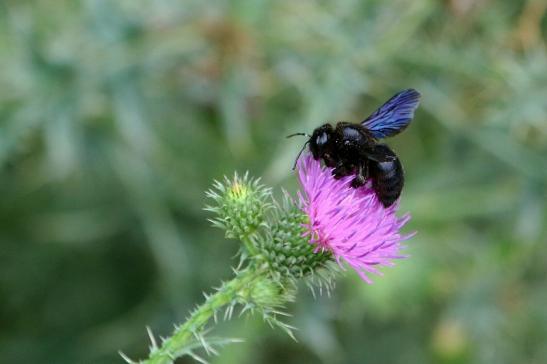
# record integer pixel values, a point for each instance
(322, 142)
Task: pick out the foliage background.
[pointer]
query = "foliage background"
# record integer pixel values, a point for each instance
(115, 116)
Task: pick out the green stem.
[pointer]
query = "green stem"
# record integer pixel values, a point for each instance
(248, 243)
(229, 292)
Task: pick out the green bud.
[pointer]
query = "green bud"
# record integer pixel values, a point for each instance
(240, 204)
(287, 251)
(269, 293)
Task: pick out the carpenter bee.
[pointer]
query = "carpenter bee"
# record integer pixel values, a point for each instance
(351, 148)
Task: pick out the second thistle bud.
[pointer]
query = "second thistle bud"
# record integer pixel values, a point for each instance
(240, 204)
(269, 293)
(286, 247)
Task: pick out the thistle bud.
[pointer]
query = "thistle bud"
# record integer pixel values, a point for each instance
(269, 293)
(287, 249)
(240, 204)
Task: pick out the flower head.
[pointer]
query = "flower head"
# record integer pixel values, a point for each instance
(351, 223)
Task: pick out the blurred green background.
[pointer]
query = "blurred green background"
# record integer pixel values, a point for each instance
(115, 116)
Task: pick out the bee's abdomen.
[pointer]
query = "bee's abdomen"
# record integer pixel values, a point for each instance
(387, 180)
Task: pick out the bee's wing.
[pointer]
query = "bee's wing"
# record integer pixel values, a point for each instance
(393, 116)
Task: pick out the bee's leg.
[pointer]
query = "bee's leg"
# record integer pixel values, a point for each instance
(362, 175)
(341, 170)
(329, 160)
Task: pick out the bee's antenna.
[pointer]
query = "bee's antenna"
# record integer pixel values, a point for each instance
(295, 134)
(298, 156)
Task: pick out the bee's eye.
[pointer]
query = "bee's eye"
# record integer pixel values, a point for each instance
(322, 139)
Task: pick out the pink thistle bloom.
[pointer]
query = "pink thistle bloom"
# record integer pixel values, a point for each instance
(351, 223)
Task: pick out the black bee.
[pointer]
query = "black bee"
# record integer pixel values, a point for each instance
(353, 148)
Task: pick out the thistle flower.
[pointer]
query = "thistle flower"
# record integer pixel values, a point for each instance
(285, 243)
(350, 223)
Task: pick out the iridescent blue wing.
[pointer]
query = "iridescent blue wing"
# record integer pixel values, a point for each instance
(393, 116)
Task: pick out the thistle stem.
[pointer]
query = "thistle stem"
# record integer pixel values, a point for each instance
(247, 242)
(229, 293)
